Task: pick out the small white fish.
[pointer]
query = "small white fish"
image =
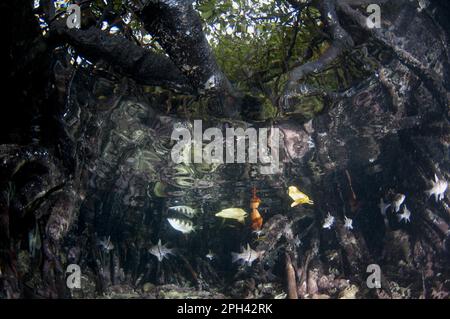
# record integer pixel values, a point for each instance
(185, 210)
(160, 251)
(247, 256)
(184, 226)
(405, 216)
(106, 244)
(398, 201)
(210, 255)
(383, 206)
(438, 188)
(297, 242)
(348, 223)
(328, 222)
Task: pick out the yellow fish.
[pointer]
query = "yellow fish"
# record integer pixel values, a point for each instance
(233, 213)
(298, 197)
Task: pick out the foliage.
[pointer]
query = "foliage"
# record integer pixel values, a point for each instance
(256, 43)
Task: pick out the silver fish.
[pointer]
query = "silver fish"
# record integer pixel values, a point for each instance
(348, 223)
(247, 256)
(106, 244)
(185, 210)
(405, 215)
(160, 251)
(210, 255)
(398, 201)
(184, 226)
(328, 222)
(438, 188)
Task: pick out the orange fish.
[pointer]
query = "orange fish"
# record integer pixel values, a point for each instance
(255, 216)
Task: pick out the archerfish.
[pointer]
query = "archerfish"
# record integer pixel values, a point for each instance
(184, 226)
(185, 210)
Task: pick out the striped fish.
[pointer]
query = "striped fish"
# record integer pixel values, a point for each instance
(184, 226)
(185, 210)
